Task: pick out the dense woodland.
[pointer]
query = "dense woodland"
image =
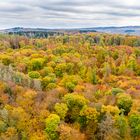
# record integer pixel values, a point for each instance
(90, 87)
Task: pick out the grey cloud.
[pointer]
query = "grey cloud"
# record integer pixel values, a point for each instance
(64, 13)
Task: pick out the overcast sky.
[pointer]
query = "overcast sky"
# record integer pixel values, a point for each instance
(68, 13)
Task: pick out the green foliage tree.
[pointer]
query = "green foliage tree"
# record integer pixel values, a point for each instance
(3, 126)
(124, 101)
(121, 68)
(88, 115)
(75, 103)
(52, 123)
(6, 60)
(122, 125)
(91, 75)
(132, 64)
(34, 74)
(47, 80)
(36, 64)
(61, 109)
(60, 69)
(73, 100)
(46, 71)
(115, 91)
(70, 81)
(134, 122)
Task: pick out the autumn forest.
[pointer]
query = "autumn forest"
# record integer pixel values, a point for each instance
(71, 86)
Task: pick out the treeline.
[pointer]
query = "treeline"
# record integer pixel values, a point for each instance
(92, 39)
(36, 34)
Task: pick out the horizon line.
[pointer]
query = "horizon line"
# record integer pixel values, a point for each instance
(64, 28)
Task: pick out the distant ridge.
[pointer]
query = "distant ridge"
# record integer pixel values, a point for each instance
(130, 30)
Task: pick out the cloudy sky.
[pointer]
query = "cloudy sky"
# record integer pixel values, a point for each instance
(68, 13)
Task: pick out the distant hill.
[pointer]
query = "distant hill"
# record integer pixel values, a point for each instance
(21, 29)
(31, 32)
(130, 30)
(42, 32)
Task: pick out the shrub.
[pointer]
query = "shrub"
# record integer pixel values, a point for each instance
(18, 77)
